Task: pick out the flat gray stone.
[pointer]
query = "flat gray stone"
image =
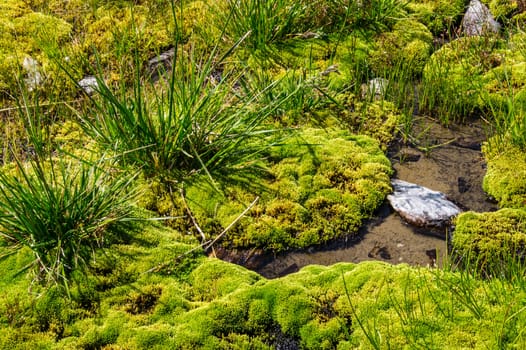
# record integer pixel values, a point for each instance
(421, 206)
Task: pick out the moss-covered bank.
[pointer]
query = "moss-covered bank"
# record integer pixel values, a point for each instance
(145, 300)
(321, 185)
(493, 241)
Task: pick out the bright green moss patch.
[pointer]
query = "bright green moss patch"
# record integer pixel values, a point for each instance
(491, 241)
(453, 76)
(322, 185)
(439, 16)
(377, 119)
(22, 33)
(406, 48)
(217, 305)
(505, 178)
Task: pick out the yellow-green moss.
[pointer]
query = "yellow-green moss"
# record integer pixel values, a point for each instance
(378, 119)
(223, 306)
(439, 16)
(22, 34)
(404, 50)
(453, 77)
(491, 241)
(505, 179)
(504, 9)
(324, 183)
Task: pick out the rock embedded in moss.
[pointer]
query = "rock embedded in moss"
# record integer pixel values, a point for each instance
(478, 20)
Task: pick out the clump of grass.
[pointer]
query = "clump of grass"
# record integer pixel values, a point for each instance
(197, 122)
(264, 21)
(60, 207)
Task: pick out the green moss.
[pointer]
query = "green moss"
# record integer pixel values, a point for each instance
(505, 179)
(378, 119)
(439, 16)
(312, 309)
(404, 50)
(324, 183)
(491, 241)
(453, 78)
(22, 34)
(504, 9)
(216, 279)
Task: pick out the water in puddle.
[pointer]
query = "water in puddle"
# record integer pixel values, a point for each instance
(446, 160)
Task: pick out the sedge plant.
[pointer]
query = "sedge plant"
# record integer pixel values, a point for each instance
(194, 121)
(60, 207)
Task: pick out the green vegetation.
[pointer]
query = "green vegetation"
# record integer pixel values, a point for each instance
(321, 185)
(264, 129)
(214, 305)
(505, 179)
(492, 242)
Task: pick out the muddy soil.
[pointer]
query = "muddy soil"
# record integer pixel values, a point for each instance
(448, 160)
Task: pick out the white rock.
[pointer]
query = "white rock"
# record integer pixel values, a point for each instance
(33, 76)
(89, 84)
(421, 206)
(478, 20)
(375, 88)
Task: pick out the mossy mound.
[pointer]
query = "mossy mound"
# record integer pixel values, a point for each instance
(377, 119)
(322, 185)
(22, 33)
(404, 50)
(217, 305)
(505, 179)
(441, 17)
(453, 78)
(474, 75)
(492, 242)
(495, 242)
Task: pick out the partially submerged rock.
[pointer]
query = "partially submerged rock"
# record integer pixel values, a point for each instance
(421, 206)
(478, 20)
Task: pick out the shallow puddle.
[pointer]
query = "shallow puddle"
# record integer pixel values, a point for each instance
(448, 160)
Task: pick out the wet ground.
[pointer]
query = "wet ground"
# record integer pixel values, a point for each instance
(448, 160)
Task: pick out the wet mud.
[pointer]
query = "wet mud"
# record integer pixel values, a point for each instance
(448, 160)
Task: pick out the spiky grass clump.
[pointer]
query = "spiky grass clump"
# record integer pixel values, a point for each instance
(60, 207)
(62, 211)
(191, 124)
(264, 21)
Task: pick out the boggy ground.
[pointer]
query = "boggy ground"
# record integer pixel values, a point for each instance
(446, 159)
(152, 285)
